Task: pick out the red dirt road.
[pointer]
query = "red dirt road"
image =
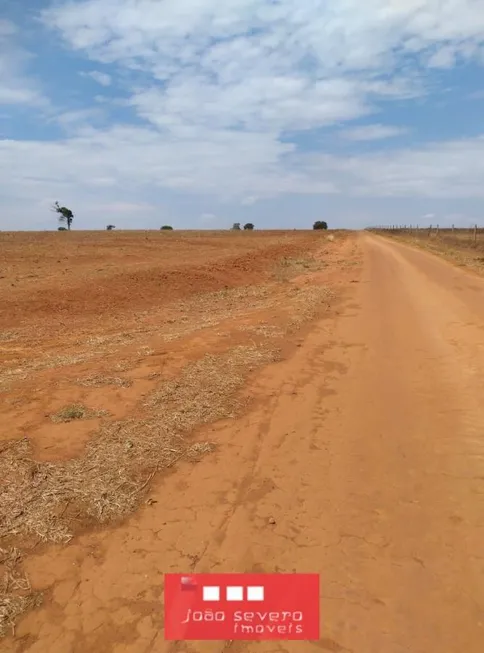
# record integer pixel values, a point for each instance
(366, 449)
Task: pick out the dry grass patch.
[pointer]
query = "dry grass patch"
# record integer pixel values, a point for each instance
(99, 380)
(307, 304)
(209, 309)
(269, 331)
(76, 411)
(459, 250)
(288, 268)
(16, 595)
(9, 336)
(49, 500)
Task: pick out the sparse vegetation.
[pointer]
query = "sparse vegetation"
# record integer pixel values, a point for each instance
(110, 227)
(465, 247)
(65, 215)
(98, 381)
(75, 411)
(236, 226)
(16, 594)
(83, 481)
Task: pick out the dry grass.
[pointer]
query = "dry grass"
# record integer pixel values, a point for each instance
(198, 312)
(99, 381)
(307, 303)
(8, 336)
(269, 331)
(76, 411)
(49, 500)
(458, 247)
(209, 309)
(16, 595)
(288, 268)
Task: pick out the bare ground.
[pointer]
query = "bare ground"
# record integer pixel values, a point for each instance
(93, 413)
(357, 454)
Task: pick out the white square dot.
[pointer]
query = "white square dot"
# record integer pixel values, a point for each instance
(211, 593)
(255, 594)
(235, 593)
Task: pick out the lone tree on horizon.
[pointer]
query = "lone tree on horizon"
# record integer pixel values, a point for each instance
(249, 226)
(65, 215)
(319, 224)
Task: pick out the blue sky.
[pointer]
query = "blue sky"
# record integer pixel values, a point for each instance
(202, 113)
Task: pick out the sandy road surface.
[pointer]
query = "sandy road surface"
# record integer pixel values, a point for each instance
(366, 448)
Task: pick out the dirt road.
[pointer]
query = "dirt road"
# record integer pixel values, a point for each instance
(366, 449)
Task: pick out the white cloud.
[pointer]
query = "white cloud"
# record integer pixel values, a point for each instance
(441, 170)
(373, 132)
(131, 162)
(444, 58)
(16, 87)
(222, 90)
(101, 78)
(75, 119)
(347, 34)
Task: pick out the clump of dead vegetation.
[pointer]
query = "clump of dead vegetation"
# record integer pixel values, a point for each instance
(307, 302)
(16, 595)
(99, 381)
(288, 268)
(76, 411)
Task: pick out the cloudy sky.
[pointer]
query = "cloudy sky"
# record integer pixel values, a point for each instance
(201, 113)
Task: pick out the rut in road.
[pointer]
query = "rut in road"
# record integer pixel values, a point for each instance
(367, 452)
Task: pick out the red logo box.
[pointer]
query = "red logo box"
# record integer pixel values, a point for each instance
(242, 606)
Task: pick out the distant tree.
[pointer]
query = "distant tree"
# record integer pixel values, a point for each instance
(236, 226)
(320, 225)
(61, 229)
(249, 226)
(65, 214)
(110, 227)
(166, 227)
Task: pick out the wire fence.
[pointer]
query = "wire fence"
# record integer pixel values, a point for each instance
(472, 237)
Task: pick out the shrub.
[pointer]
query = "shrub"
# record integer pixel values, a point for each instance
(249, 226)
(166, 227)
(320, 225)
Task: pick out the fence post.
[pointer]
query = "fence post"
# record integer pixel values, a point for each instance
(430, 230)
(475, 234)
(452, 228)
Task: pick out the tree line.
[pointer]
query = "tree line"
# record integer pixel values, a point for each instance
(66, 217)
